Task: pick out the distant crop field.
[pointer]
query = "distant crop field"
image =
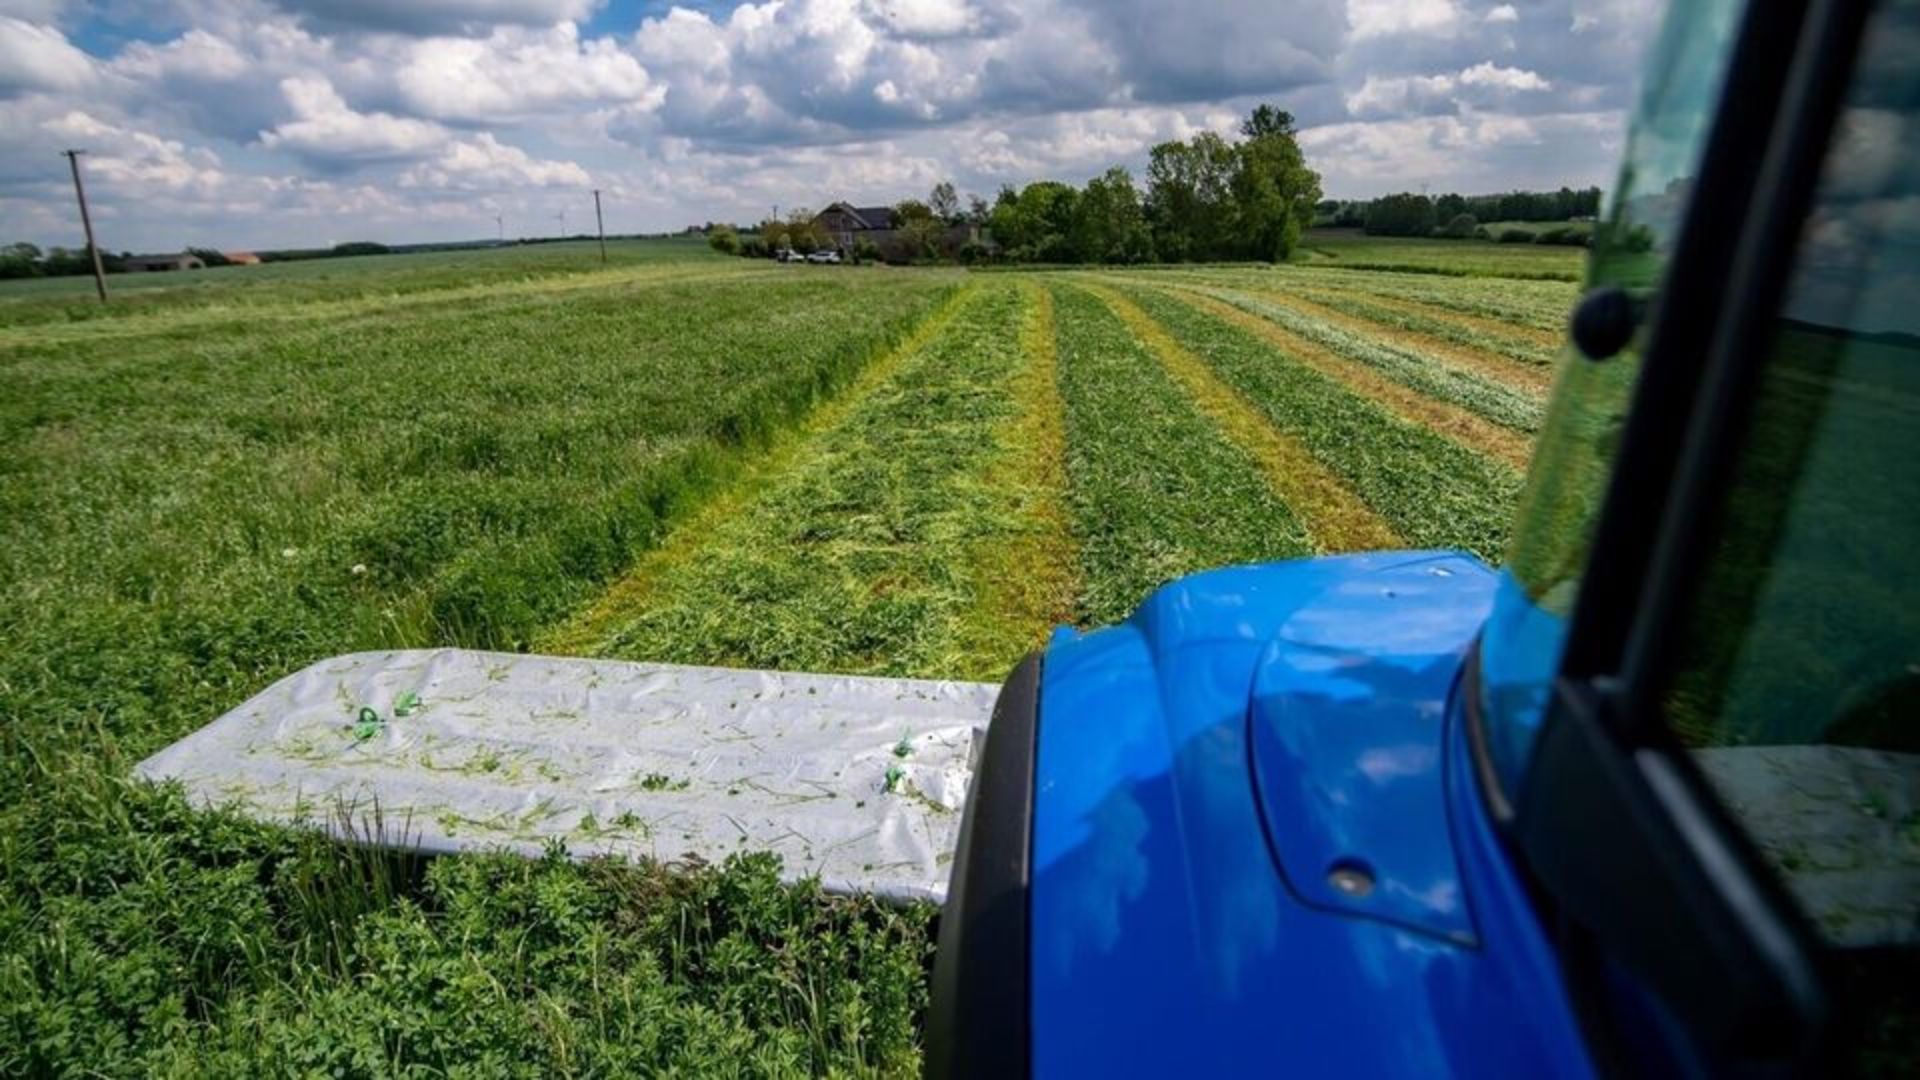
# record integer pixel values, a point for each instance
(677, 457)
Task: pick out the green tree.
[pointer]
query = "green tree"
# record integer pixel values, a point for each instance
(723, 239)
(1108, 223)
(1189, 196)
(1404, 214)
(919, 230)
(1273, 190)
(944, 201)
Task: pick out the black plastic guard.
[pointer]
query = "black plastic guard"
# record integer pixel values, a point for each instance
(977, 1024)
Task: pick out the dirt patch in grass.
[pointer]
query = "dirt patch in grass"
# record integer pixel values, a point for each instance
(1335, 517)
(1458, 424)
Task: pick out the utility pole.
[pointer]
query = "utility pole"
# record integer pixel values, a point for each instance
(86, 222)
(500, 221)
(600, 224)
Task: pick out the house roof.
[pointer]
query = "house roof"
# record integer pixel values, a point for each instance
(868, 217)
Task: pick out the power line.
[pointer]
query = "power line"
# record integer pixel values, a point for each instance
(86, 223)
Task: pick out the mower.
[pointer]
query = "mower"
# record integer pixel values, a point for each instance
(1644, 800)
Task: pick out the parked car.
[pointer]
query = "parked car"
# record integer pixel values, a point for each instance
(788, 255)
(827, 257)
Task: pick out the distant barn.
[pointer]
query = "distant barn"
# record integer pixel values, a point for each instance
(241, 258)
(153, 263)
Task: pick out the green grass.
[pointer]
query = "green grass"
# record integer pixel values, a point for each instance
(1351, 249)
(1434, 492)
(860, 558)
(1154, 489)
(68, 298)
(1502, 404)
(185, 517)
(222, 478)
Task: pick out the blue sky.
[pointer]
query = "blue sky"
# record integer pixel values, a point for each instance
(259, 123)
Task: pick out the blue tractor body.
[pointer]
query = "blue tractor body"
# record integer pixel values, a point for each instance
(1254, 810)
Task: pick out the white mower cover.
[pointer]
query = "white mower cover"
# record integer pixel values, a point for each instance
(857, 780)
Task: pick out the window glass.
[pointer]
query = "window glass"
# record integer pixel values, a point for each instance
(1567, 478)
(1799, 682)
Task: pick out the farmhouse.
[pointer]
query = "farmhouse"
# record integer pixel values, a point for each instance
(152, 263)
(241, 258)
(846, 225)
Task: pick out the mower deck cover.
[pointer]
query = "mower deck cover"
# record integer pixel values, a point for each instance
(857, 780)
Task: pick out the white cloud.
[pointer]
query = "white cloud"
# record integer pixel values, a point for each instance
(1487, 73)
(438, 16)
(483, 163)
(39, 58)
(1505, 13)
(515, 72)
(1380, 18)
(327, 130)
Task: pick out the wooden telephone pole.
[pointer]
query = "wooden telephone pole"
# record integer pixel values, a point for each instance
(86, 222)
(600, 224)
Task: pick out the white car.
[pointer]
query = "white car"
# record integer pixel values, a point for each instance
(828, 257)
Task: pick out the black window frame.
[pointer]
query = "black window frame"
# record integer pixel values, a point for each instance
(1631, 852)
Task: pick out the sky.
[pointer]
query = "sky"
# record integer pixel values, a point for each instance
(240, 124)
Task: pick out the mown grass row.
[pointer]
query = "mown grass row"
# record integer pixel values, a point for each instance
(1532, 308)
(1466, 428)
(1155, 489)
(863, 557)
(182, 524)
(1451, 329)
(1500, 403)
(1431, 490)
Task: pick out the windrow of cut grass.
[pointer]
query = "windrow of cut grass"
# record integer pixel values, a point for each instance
(1464, 332)
(1502, 404)
(1531, 310)
(183, 521)
(864, 556)
(1529, 379)
(1466, 428)
(1335, 519)
(1155, 489)
(1432, 490)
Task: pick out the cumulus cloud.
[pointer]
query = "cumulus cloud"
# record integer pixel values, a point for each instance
(416, 114)
(329, 133)
(483, 163)
(35, 57)
(515, 72)
(437, 16)
(1383, 18)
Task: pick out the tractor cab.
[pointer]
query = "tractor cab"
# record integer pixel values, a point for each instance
(1644, 800)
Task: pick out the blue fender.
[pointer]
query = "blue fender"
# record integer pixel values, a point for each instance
(1256, 839)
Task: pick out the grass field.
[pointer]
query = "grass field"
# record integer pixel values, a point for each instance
(678, 457)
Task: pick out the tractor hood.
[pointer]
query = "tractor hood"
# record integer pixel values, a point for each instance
(1255, 837)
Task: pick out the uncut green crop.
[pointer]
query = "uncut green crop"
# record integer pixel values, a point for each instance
(1351, 250)
(858, 560)
(1435, 492)
(1501, 404)
(1155, 490)
(186, 516)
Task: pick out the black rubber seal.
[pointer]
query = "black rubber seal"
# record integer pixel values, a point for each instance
(978, 1021)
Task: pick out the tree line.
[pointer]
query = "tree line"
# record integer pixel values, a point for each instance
(1457, 216)
(1205, 198)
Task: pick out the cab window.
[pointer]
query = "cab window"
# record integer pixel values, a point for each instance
(1797, 687)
